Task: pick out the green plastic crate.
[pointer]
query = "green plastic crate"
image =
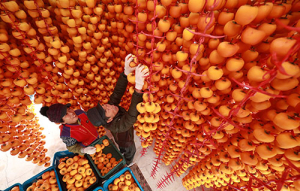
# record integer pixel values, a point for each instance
(111, 148)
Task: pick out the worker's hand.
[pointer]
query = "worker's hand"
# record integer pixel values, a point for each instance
(89, 150)
(141, 72)
(127, 68)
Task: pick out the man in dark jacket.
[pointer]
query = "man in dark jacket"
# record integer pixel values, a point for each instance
(114, 117)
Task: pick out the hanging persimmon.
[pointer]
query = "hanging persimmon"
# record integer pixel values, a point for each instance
(160, 10)
(252, 36)
(232, 28)
(263, 11)
(283, 44)
(196, 6)
(227, 49)
(142, 16)
(277, 11)
(150, 5)
(128, 10)
(175, 11)
(164, 25)
(246, 14)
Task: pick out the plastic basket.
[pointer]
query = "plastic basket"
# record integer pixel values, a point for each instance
(111, 148)
(17, 184)
(35, 178)
(62, 185)
(98, 188)
(117, 175)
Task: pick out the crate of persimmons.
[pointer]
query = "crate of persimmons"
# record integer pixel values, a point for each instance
(45, 180)
(75, 172)
(15, 187)
(123, 180)
(107, 159)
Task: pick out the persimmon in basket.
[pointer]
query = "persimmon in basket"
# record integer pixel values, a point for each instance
(47, 182)
(15, 188)
(104, 162)
(124, 182)
(76, 172)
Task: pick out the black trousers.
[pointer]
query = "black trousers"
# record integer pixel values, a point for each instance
(125, 140)
(128, 152)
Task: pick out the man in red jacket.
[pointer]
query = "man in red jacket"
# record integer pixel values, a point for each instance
(76, 131)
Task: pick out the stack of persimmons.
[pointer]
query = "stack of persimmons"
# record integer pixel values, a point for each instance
(147, 120)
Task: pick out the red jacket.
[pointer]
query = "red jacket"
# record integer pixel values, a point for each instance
(85, 133)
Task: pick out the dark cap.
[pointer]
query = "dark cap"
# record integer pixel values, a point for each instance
(55, 112)
(97, 116)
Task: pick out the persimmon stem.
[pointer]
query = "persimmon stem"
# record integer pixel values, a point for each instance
(188, 72)
(204, 35)
(257, 89)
